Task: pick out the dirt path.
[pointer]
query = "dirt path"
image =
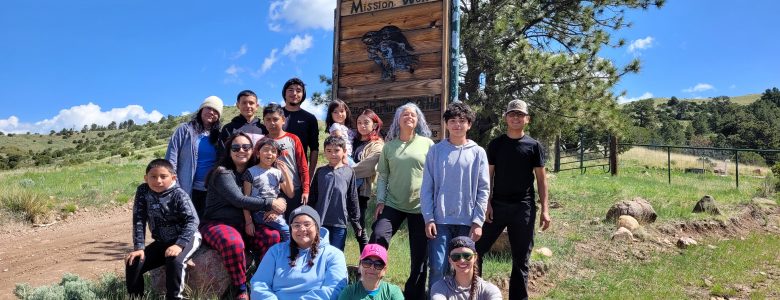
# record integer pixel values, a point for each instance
(88, 244)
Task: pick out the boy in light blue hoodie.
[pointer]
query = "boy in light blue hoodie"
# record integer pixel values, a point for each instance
(455, 189)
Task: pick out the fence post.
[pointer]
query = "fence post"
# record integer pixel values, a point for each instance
(736, 165)
(582, 153)
(557, 165)
(669, 163)
(613, 163)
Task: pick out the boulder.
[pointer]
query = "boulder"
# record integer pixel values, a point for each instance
(502, 243)
(638, 208)
(623, 234)
(544, 251)
(628, 222)
(706, 204)
(206, 276)
(685, 242)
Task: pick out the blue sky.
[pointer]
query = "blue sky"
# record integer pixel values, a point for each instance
(70, 63)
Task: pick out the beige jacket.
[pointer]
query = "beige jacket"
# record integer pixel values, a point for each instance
(366, 168)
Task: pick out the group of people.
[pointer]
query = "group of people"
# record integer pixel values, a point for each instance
(250, 190)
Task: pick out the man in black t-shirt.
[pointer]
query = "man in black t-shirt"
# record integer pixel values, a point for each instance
(301, 122)
(514, 161)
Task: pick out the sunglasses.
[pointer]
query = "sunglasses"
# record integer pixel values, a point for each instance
(239, 147)
(377, 264)
(464, 256)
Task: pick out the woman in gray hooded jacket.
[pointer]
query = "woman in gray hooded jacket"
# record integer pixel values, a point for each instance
(193, 150)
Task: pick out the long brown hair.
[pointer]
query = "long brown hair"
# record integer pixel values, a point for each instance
(375, 134)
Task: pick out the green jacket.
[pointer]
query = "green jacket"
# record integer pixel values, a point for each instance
(400, 171)
(356, 291)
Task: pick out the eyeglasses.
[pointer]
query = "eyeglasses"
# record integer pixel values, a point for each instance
(467, 256)
(299, 226)
(366, 123)
(515, 114)
(239, 147)
(377, 264)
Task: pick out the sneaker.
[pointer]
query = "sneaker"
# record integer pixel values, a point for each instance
(242, 296)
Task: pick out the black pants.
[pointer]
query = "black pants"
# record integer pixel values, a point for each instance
(199, 201)
(362, 239)
(154, 257)
(383, 230)
(519, 219)
(294, 202)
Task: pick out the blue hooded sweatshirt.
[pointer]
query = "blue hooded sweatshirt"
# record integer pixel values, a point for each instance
(455, 185)
(275, 279)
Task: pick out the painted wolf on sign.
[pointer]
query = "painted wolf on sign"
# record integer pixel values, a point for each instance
(389, 48)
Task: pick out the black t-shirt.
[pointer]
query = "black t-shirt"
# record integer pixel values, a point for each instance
(358, 146)
(304, 125)
(514, 161)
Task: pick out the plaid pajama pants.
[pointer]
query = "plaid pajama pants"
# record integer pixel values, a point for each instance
(229, 241)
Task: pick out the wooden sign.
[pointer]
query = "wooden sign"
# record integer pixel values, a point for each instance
(391, 52)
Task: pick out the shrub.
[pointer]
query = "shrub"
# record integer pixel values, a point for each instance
(74, 287)
(30, 204)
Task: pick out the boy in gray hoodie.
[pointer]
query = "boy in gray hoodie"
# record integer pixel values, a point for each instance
(455, 188)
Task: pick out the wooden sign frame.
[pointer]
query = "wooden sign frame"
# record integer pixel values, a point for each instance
(390, 52)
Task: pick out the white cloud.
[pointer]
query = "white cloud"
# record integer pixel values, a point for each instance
(232, 74)
(241, 52)
(78, 116)
(269, 61)
(640, 44)
(184, 113)
(733, 86)
(297, 45)
(701, 87)
(624, 99)
(301, 14)
(318, 111)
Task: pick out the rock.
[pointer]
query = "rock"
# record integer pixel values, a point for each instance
(206, 275)
(555, 204)
(707, 282)
(638, 208)
(713, 247)
(764, 202)
(544, 251)
(706, 204)
(502, 243)
(685, 242)
(595, 221)
(623, 234)
(628, 222)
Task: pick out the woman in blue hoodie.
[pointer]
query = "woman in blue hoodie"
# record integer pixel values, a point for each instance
(305, 267)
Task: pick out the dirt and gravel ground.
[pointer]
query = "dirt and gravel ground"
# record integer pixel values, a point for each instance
(89, 243)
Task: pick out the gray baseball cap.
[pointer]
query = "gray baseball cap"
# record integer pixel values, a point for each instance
(516, 105)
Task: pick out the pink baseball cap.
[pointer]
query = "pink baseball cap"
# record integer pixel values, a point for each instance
(374, 250)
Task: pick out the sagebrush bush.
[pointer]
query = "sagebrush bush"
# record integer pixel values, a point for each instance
(110, 286)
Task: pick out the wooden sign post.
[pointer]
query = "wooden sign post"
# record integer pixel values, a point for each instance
(390, 52)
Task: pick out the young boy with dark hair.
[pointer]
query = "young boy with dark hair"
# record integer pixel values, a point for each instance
(291, 154)
(334, 193)
(455, 189)
(174, 226)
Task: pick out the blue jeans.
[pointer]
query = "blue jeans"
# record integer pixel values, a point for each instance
(437, 250)
(337, 236)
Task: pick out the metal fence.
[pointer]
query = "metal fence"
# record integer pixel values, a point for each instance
(726, 154)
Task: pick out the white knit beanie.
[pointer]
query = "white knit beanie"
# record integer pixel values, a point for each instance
(213, 102)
